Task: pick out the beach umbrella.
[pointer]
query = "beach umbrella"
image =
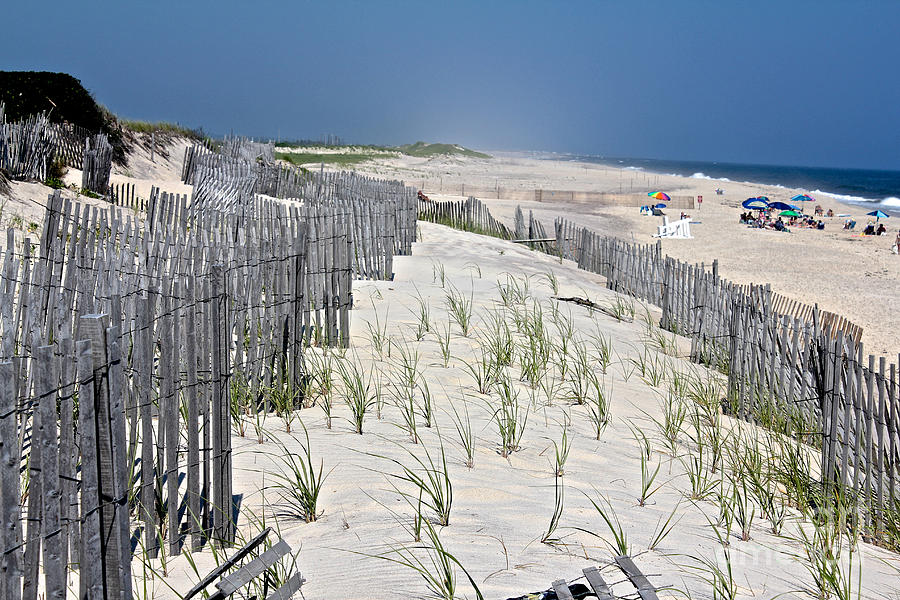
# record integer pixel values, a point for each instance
(660, 205)
(878, 215)
(789, 213)
(802, 198)
(780, 206)
(763, 198)
(659, 196)
(754, 204)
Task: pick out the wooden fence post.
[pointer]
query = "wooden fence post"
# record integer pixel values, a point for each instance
(114, 571)
(10, 528)
(223, 525)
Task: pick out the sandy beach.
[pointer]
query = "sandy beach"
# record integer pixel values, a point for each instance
(501, 526)
(842, 271)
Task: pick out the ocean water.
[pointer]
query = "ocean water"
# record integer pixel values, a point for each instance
(870, 188)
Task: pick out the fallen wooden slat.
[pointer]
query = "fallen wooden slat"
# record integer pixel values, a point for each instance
(287, 591)
(645, 589)
(243, 576)
(592, 574)
(562, 590)
(236, 558)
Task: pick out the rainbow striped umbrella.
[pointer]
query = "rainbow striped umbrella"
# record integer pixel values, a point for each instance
(659, 196)
(802, 198)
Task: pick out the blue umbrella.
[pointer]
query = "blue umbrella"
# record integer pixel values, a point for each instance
(878, 215)
(802, 198)
(755, 204)
(780, 206)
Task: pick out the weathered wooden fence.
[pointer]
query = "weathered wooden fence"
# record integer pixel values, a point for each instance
(69, 144)
(97, 164)
(123, 342)
(123, 194)
(26, 147)
(468, 215)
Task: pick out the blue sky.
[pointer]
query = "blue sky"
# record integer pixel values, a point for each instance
(797, 83)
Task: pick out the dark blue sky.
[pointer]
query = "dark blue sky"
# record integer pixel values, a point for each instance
(805, 83)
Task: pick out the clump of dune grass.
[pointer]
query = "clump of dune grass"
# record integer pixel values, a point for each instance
(484, 371)
(437, 567)
(378, 336)
(298, 481)
(320, 382)
(562, 447)
(443, 338)
(602, 350)
(408, 368)
(463, 425)
(510, 417)
(619, 544)
(423, 317)
(513, 290)
(497, 339)
(621, 309)
(460, 308)
(597, 402)
(405, 400)
(549, 536)
(358, 391)
(429, 479)
(284, 398)
(552, 282)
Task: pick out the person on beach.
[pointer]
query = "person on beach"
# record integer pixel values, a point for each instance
(896, 248)
(881, 230)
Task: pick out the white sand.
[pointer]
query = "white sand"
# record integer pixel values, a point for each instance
(501, 507)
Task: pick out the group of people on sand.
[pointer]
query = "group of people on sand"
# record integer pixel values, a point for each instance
(872, 230)
(765, 221)
(820, 212)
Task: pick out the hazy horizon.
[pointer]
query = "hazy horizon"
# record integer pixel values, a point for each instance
(807, 84)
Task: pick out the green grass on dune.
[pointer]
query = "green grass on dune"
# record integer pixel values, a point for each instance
(342, 160)
(424, 150)
(361, 152)
(161, 127)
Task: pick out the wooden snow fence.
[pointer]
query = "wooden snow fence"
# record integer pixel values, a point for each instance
(123, 194)
(26, 147)
(122, 341)
(376, 218)
(97, 164)
(469, 215)
(68, 142)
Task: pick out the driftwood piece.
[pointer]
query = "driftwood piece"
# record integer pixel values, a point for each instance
(594, 306)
